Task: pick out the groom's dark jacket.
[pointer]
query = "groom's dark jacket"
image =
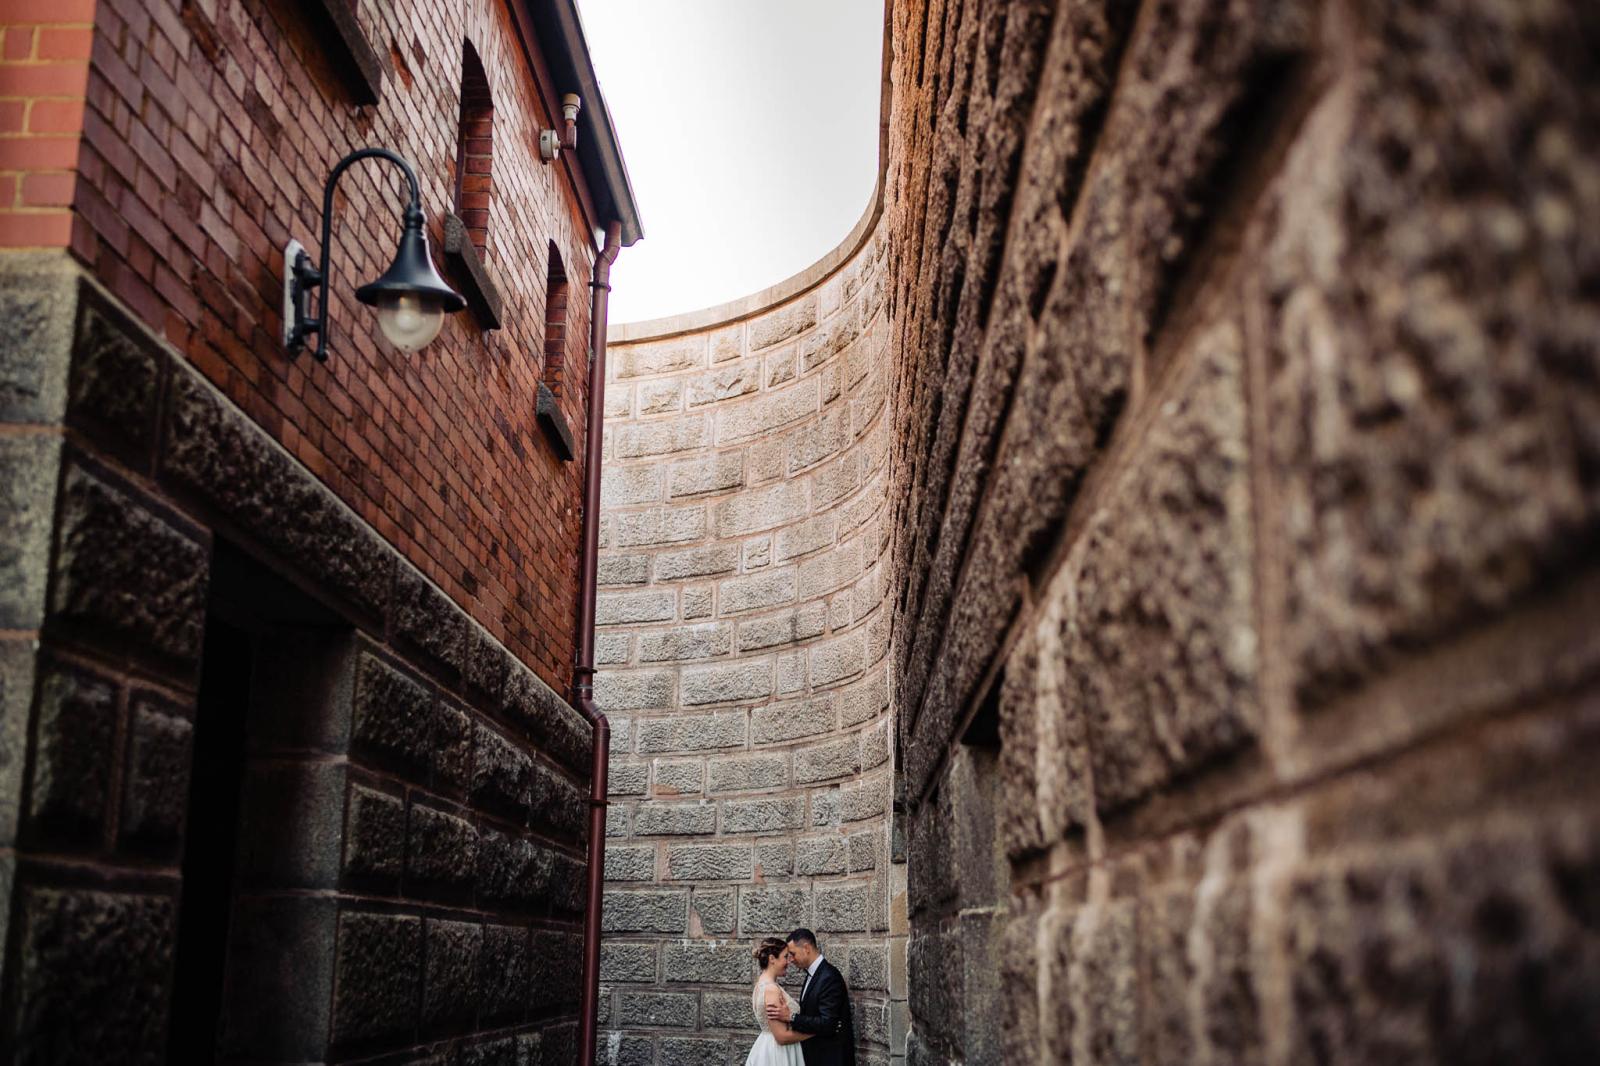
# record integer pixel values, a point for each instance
(825, 1013)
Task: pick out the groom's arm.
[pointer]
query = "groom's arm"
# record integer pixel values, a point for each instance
(833, 1006)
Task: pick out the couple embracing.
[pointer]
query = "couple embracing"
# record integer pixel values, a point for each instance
(816, 1031)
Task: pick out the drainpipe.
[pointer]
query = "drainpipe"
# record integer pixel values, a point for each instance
(583, 669)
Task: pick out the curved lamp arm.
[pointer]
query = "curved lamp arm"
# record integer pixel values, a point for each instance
(305, 275)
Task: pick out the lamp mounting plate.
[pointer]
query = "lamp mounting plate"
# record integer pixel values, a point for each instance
(291, 284)
(299, 278)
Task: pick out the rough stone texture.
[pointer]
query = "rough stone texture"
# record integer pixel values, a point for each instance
(375, 834)
(763, 815)
(210, 449)
(116, 376)
(394, 713)
(378, 969)
(424, 617)
(656, 1010)
(714, 911)
(440, 848)
(646, 912)
(1166, 563)
(713, 862)
(749, 773)
(697, 562)
(29, 468)
(557, 970)
(820, 856)
(632, 780)
(679, 777)
(718, 473)
(746, 680)
(630, 863)
(1241, 439)
(710, 963)
(502, 774)
(18, 662)
(690, 1051)
(703, 641)
(1434, 429)
(450, 980)
(792, 720)
(1505, 899)
(628, 962)
(727, 1012)
(676, 819)
(38, 297)
(92, 974)
(547, 719)
(125, 572)
(840, 758)
(507, 867)
(698, 733)
(778, 909)
(72, 773)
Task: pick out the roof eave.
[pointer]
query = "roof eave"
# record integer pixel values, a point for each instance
(560, 34)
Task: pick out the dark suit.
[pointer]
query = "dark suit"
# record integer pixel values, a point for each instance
(825, 1012)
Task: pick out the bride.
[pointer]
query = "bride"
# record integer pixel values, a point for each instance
(779, 1045)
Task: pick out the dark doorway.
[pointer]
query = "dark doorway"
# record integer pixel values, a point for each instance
(249, 607)
(209, 843)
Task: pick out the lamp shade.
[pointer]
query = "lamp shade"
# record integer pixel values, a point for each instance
(412, 274)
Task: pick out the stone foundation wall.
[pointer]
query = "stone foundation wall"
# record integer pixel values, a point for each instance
(1245, 498)
(743, 645)
(413, 803)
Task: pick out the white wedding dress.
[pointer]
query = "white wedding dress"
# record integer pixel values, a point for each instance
(767, 1051)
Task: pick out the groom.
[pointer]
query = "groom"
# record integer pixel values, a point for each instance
(824, 1006)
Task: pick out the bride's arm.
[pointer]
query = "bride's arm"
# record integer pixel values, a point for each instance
(780, 1030)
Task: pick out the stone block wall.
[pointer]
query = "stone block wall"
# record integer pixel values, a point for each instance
(1244, 506)
(743, 647)
(408, 879)
(200, 140)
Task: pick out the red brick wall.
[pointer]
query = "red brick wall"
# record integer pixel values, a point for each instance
(43, 66)
(475, 151)
(210, 128)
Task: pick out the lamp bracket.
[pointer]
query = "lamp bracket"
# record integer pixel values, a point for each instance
(300, 278)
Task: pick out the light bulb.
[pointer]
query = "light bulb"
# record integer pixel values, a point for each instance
(409, 321)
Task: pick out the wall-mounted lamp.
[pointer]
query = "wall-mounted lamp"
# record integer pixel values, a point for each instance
(410, 297)
(552, 141)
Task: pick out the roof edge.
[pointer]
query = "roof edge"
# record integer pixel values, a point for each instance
(561, 38)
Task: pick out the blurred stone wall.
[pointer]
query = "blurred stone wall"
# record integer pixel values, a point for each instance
(743, 649)
(1243, 488)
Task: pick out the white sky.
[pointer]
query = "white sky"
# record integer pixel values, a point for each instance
(750, 130)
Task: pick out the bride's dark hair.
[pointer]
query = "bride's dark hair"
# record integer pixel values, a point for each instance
(767, 950)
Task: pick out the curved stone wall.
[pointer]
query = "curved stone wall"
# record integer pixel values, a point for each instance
(743, 659)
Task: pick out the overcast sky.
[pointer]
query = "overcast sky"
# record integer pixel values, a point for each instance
(750, 130)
